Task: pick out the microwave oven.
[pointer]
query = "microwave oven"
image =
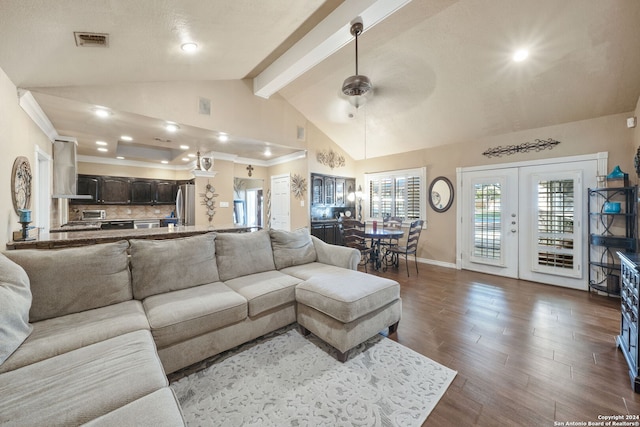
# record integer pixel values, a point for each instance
(94, 214)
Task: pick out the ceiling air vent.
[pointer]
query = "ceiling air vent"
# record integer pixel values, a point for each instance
(91, 39)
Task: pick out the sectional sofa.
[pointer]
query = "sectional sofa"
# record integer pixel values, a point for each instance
(88, 334)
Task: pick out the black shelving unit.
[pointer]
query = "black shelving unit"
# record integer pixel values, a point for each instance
(609, 232)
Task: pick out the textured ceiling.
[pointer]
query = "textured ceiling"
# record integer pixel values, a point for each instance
(441, 68)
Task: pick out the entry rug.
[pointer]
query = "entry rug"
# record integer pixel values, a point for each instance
(286, 379)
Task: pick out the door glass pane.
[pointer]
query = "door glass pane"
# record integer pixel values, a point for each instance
(487, 239)
(555, 223)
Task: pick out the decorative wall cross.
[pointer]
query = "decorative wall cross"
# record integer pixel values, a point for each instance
(250, 169)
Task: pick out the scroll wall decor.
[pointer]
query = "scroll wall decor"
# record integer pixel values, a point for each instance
(538, 145)
(330, 158)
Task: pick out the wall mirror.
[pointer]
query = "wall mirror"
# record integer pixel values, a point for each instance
(440, 194)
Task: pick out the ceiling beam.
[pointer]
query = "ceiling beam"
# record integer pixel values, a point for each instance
(323, 40)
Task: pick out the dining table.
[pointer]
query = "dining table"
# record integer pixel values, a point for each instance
(377, 234)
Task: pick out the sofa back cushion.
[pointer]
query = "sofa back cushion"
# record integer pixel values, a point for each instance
(240, 254)
(15, 302)
(292, 247)
(160, 266)
(66, 281)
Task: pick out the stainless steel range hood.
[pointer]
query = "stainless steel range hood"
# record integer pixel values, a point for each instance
(65, 175)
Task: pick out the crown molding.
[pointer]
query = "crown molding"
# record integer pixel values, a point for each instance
(29, 104)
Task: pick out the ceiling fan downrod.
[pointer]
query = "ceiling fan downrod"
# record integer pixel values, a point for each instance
(356, 85)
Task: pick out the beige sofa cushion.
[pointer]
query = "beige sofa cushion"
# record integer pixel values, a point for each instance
(348, 296)
(240, 254)
(158, 409)
(292, 247)
(159, 266)
(307, 271)
(266, 290)
(81, 385)
(62, 334)
(65, 281)
(179, 315)
(15, 302)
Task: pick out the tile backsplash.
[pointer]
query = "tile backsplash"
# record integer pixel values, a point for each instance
(123, 211)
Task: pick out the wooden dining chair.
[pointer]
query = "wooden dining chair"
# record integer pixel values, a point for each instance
(388, 223)
(353, 237)
(411, 246)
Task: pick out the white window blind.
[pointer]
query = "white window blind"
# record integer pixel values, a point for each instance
(399, 193)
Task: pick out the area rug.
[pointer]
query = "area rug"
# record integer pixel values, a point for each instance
(285, 379)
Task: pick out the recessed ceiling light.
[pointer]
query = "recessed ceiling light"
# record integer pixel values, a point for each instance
(520, 55)
(102, 112)
(185, 159)
(101, 143)
(120, 158)
(126, 138)
(191, 155)
(267, 152)
(223, 138)
(164, 162)
(171, 127)
(189, 47)
(104, 150)
(184, 147)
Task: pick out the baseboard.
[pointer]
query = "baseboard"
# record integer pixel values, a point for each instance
(438, 263)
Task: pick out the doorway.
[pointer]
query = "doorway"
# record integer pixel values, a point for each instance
(42, 179)
(248, 202)
(528, 220)
(280, 202)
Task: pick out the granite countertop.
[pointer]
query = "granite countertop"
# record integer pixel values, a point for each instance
(89, 237)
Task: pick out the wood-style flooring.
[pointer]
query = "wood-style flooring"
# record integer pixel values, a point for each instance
(527, 354)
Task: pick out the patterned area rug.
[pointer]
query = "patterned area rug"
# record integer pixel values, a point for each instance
(285, 379)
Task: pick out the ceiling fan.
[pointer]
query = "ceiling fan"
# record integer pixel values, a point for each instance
(356, 87)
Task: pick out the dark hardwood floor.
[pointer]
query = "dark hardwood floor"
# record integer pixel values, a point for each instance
(527, 354)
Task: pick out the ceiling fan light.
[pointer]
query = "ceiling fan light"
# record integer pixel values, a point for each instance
(356, 85)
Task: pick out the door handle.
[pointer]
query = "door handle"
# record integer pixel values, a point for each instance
(513, 230)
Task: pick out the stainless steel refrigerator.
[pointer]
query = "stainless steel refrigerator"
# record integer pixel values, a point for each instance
(186, 204)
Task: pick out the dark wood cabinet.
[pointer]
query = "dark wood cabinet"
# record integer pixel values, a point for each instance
(317, 190)
(87, 185)
(329, 190)
(142, 192)
(165, 192)
(327, 231)
(114, 190)
(630, 310)
(340, 191)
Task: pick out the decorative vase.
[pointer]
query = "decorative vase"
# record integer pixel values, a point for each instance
(616, 173)
(206, 163)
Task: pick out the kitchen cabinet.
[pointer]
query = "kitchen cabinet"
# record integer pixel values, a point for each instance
(87, 185)
(329, 190)
(340, 191)
(142, 192)
(165, 192)
(114, 190)
(317, 190)
(327, 231)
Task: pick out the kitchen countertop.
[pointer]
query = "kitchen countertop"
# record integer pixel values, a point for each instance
(90, 237)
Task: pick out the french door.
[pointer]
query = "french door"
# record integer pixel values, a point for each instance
(527, 222)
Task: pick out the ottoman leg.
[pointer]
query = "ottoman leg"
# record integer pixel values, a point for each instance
(342, 357)
(304, 331)
(393, 328)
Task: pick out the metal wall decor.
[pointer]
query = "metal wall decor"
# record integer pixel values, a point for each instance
(268, 212)
(21, 184)
(330, 158)
(538, 145)
(208, 200)
(249, 170)
(298, 186)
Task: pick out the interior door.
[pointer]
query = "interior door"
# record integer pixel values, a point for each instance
(280, 202)
(490, 221)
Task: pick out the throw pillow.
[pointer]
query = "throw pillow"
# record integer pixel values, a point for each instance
(15, 302)
(292, 247)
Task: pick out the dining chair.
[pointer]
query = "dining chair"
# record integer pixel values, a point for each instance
(395, 223)
(353, 237)
(411, 246)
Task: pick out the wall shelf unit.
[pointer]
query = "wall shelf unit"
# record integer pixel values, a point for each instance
(612, 227)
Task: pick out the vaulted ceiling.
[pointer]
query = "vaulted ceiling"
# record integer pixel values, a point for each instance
(442, 70)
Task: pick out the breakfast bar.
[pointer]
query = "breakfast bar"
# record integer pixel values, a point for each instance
(90, 237)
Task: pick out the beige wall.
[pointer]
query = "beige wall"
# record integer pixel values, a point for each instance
(438, 241)
(19, 136)
(89, 168)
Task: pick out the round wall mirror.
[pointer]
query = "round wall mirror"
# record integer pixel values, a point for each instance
(440, 194)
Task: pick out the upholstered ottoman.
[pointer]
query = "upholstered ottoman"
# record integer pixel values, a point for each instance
(347, 309)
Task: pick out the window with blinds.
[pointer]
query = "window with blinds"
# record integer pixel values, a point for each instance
(397, 193)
